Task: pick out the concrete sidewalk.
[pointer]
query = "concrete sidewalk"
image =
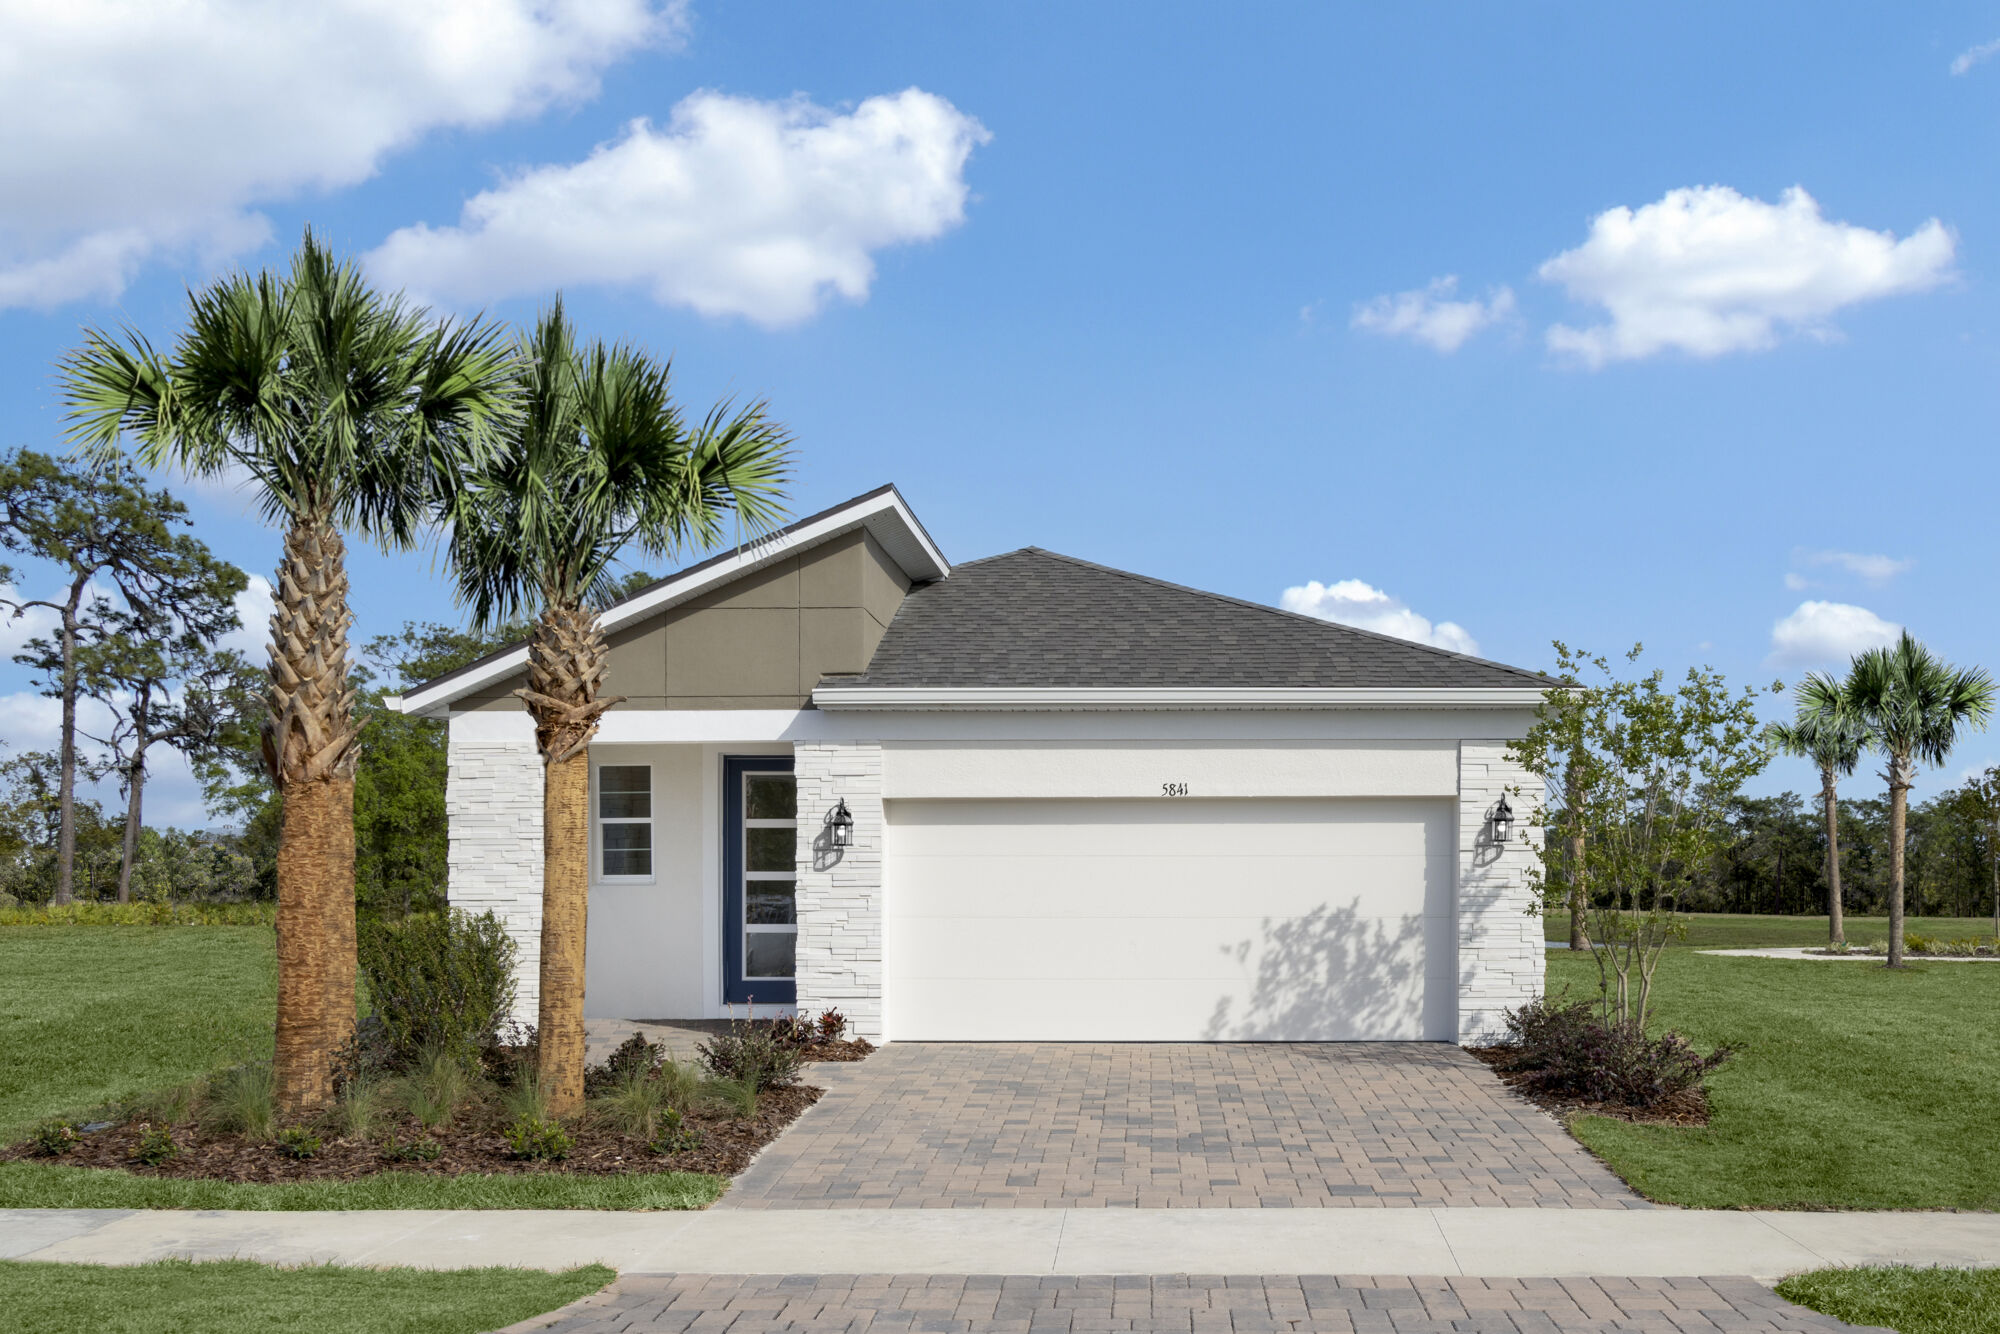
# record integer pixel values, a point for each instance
(1487, 1243)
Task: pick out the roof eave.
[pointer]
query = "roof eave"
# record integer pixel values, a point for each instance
(1124, 699)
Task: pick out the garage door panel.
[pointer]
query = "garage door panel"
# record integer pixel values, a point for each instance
(1169, 920)
(1382, 951)
(1027, 886)
(1082, 828)
(996, 1010)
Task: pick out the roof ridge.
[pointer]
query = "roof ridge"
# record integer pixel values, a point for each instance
(1274, 611)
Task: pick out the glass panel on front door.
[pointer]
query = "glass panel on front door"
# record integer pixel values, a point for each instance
(770, 874)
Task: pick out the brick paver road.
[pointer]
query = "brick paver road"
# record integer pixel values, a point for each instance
(1186, 1304)
(1172, 1125)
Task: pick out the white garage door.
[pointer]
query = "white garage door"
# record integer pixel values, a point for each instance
(1169, 920)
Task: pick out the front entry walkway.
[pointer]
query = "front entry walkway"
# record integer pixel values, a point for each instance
(1172, 1125)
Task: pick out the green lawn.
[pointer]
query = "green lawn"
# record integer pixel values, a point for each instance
(1914, 1301)
(174, 1295)
(1853, 1087)
(93, 1013)
(1732, 931)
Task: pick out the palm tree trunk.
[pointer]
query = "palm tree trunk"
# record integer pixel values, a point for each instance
(565, 910)
(1993, 855)
(566, 661)
(1836, 929)
(309, 736)
(1899, 801)
(135, 792)
(315, 939)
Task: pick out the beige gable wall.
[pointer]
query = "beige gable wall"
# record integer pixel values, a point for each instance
(759, 642)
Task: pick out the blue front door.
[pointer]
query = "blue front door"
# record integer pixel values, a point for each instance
(760, 924)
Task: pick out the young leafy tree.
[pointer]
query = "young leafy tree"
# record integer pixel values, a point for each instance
(1913, 704)
(349, 411)
(1832, 736)
(110, 534)
(600, 460)
(1648, 774)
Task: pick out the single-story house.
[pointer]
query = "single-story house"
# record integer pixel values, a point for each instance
(1026, 797)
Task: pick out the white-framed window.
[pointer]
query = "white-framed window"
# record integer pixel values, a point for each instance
(625, 821)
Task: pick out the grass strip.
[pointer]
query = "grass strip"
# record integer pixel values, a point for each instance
(1913, 1301)
(55, 1186)
(172, 1296)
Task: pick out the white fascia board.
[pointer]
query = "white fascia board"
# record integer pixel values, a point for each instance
(885, 516)
(1037, 698)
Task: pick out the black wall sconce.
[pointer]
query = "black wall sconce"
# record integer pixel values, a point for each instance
(1502, 819)
(840, 825)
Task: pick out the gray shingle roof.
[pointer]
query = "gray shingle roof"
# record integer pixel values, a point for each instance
(1036, 618)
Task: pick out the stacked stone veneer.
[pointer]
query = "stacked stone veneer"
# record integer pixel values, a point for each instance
(1500, 950)
(493, 800)
(840, 895)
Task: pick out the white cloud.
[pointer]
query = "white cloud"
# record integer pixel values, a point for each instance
(734, 207)
(1818, 633)
(1975, 55)
(1797, 582)
(1431, 316)
(1871, 569)
(1352, 602)
(139, 129)
(254, 606)
(1708, 271)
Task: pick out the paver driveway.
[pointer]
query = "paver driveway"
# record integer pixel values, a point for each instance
(1184, 1304)
(1171, 1125)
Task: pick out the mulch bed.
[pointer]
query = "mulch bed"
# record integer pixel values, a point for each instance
(472, 1143)
(1687, 1108)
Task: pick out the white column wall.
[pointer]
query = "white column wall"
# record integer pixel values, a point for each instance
(839, 960)
(493, 805)
(1500, 950)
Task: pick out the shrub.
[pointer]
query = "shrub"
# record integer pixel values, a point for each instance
(535, 1137)
(53, 1139)
(442, 981)
(441, 1082)
(156, 1145)
(634, 1056)
(750, 1052)
(298, 1142)
(805, 1032)
(672, 1136)
(1916, 944)
(356, 1107)
(1569, 1049)
(171, 1106)
(635, 1103)
(398, 1150)
(244, 1100)
(140, 914)
(738, 1095)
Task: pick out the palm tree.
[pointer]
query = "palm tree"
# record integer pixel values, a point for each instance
(347, 409)
(599, 460)
(1913, 702)
(1827, 732)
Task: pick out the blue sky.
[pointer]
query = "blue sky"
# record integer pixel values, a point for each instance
(1318, 296)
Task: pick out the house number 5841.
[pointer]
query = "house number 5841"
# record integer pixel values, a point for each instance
(1173, 789)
